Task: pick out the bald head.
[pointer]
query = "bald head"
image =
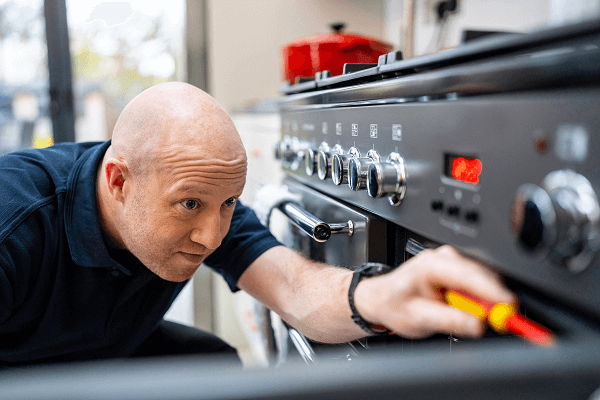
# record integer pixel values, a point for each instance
(173, 116)
(168, 185)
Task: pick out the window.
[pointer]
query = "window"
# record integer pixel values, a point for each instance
(118, 49)
(24, 114)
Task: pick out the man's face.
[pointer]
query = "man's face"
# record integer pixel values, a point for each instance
(180, 214)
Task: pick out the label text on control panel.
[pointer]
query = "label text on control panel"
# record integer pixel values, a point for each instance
(373, 131)
(397, 132)
(308, 127)
(338, 128)
(354, 129)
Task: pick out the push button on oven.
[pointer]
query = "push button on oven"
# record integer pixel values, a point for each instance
(453, 211)
(472, 216)
(437, 205)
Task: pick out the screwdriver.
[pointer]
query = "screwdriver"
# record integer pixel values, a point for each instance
(504, 318)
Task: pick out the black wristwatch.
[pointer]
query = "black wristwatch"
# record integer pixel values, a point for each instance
(366, 270)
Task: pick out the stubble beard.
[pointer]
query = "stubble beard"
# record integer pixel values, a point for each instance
(139, 238)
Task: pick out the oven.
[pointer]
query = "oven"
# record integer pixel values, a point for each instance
(492, 147)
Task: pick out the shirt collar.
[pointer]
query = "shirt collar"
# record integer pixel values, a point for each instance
(82, 223)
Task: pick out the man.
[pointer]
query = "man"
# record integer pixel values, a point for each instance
(97, 239)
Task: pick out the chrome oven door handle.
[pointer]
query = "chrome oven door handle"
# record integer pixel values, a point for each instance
(311, 225)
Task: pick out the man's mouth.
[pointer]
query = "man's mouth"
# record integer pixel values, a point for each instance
(191, 257)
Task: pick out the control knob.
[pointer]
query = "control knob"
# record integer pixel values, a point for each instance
(339, 165)
(311, 156)
(324, 161)
(290, 152)
(358, 169)
(558, 219)
(388, 178)
(281, 147)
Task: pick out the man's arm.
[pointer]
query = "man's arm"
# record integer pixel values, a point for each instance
(313, 297)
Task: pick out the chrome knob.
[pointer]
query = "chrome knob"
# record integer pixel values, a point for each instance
(358, 169)
(278, 150)
(290, 152)
(311, 158)
(300, 154)
(324, 161)
(388, 178)
(310, 161)
(533, 220)
(339, 166)
(559, 219)
(283, 148)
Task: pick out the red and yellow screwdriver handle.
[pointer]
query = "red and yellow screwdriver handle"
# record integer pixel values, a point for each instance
(504, 318)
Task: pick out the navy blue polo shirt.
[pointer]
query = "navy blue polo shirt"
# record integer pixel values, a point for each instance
(63, 294)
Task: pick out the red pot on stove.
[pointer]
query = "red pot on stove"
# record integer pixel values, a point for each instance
(307, 56)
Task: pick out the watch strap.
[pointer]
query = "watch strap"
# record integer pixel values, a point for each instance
(366, 270)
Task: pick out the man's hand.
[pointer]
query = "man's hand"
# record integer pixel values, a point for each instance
(407, 300)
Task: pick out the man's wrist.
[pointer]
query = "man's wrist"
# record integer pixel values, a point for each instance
(360, 279)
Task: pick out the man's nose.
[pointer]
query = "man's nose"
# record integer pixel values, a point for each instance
(207, 231)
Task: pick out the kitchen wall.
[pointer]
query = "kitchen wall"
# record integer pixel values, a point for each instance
(506, 15)
(245, 38)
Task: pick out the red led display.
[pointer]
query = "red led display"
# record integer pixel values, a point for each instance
(466, 170)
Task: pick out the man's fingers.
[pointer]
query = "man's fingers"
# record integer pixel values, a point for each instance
(427, 317)
(446, 267)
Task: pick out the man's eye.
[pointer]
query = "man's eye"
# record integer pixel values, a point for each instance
(230, 202)
(190, 204)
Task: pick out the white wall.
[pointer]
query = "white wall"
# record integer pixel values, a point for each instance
(182, 309)
(505, 15)
(246, 36)
(566, 11)
(509, 15)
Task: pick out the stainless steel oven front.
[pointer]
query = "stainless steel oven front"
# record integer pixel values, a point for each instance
(493, 148)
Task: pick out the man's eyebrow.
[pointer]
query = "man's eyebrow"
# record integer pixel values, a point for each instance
(183, 188)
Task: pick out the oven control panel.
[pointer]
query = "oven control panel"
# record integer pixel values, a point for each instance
(509, 178)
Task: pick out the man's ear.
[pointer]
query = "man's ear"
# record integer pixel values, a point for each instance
(116, 171)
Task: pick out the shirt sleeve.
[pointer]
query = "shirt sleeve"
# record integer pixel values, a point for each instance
(7, 270)
(21, 239)
(246, 240)
(20, 255)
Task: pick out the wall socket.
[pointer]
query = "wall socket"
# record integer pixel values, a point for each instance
(429, 9)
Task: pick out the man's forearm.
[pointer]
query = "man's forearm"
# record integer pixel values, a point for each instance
(311, 297)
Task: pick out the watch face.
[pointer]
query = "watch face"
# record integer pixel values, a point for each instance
(374, 269)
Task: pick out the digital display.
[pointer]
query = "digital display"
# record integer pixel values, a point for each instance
(464, 169)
